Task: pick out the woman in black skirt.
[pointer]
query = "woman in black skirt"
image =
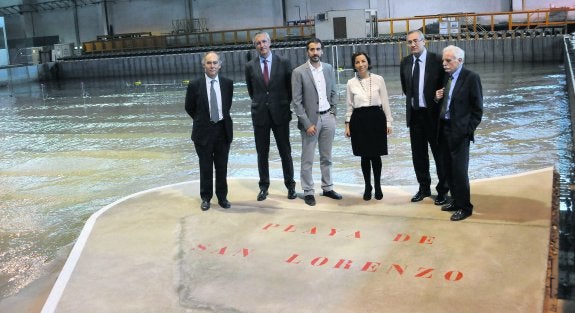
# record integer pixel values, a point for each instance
(368, 121)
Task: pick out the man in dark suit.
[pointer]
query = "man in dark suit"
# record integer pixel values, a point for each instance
(208, 102)
(421, 75)
(461, 113)
(268, 79)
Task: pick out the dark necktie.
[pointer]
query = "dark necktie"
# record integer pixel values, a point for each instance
(266, 73)
(415, 85)
(214, 112)
(445, 98)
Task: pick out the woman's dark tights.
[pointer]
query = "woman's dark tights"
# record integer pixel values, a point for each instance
(366, 164)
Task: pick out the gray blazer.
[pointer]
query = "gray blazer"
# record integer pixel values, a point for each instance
(304, 92)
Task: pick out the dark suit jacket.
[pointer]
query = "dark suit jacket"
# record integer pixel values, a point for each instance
(466, 107)
(198, 107)
(274, 98)
(432, 81)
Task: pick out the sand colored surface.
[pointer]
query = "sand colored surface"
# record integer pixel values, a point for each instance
(156, 251)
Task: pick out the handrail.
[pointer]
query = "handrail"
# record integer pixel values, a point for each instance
(514, 20)
(467, 23)
(569, 48)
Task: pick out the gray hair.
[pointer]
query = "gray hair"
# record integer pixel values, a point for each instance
(261, 33)
(417, 31)
(220, 61)
(457, 52)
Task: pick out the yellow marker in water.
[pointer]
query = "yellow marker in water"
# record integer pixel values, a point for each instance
(185, 81)
(138, 83)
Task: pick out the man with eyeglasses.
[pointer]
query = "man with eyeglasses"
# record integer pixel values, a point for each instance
(461, 111)
(208, 102)
(421, 75)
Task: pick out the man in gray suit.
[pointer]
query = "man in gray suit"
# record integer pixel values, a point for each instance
(313, 91)
(268, 79)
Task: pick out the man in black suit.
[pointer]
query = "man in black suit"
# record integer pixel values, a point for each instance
(421, 75)
(268, 79)
(461, 113)
(208, 102)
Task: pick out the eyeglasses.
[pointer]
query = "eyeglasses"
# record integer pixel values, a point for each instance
(414, 41)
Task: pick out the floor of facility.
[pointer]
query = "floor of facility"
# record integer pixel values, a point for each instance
(156, 251)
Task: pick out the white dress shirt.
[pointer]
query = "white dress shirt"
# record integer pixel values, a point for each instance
(319, 80)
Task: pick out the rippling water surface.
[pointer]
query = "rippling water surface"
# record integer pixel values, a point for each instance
(70, 148)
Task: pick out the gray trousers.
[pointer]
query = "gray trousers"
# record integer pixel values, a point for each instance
(325, 132)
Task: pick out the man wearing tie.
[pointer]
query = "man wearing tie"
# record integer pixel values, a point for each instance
(268, 80)
(208, 102)
(461, 112)
(313, 90)
(421, 75)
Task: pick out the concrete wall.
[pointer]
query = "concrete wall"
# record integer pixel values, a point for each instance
(156, 16)
(495, 50)
(355, 24)
(227, 14)
(147, 15)
(520, 5)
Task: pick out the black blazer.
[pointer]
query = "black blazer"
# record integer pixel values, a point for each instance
(274, 98)
(432, 81)
(466, 107)
(198, 107)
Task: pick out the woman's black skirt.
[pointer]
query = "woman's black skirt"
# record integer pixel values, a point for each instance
(368, 130)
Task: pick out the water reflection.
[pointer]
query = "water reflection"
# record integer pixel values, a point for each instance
(72, 147)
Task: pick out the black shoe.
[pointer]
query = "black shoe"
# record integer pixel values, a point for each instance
(262, 195)
(205, 205)
(225, 203)
(450, 207)
(460, 215)
(332, 194)
(420, 195)
(378, 193)
(291, 193)
(309, 200)
(367, 193)
(441, 199)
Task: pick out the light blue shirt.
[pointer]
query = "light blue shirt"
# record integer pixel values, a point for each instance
(269, 62)
(448, 93)
(422, 59)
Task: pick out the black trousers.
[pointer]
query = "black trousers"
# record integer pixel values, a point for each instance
(214, 155)
(423, 134)
(262, 137)
(456, 159)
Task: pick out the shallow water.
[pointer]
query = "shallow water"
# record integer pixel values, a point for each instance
(69, 148)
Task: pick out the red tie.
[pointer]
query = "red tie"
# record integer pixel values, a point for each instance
(266, 73)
